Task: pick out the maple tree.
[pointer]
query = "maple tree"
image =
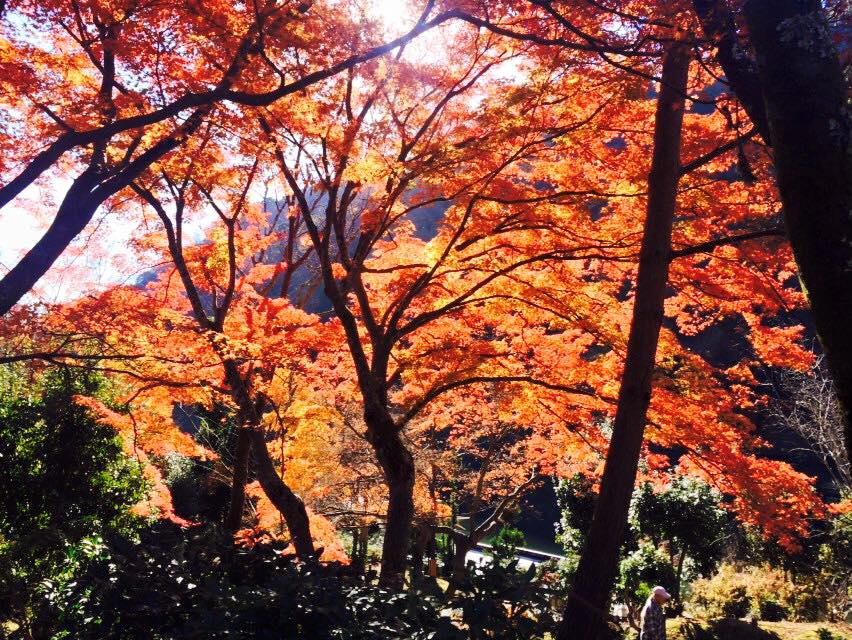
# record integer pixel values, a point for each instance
(479, 226)
(120, 86)
(635, 38)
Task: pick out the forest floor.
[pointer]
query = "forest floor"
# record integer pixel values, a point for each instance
(781, 630)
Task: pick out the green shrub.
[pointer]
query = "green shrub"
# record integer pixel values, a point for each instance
(640, 571)
(61, 469)
(733, 592)
(725, 629)
(771, 610)
(737, 604)
(808, 605)
(195, 584)
(505, 544)
(64, 482)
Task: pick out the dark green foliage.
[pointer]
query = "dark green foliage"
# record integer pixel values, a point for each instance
(771, 610)
(738, 604)
(688, 520)
(195, 583)
(60, 469)
(576, 499)
(504, 545)
(502, 602)
(201, 488)
(64, 480)
(681, 531)
(639, 571)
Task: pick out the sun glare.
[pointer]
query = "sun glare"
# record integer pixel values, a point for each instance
(397, 16)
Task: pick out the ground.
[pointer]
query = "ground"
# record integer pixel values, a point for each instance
(783, 630)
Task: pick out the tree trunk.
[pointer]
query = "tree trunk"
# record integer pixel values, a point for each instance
(398, 528)
(397, 464)
(238, 481)
(250, 435)
(288, 503)
(586, 613)
(74, 214)
(719, 25)
(422, 536)
(803, 89)
(679, 575)
(458, 577)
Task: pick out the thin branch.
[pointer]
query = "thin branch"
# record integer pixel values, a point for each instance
(707, 247)
(449, 386)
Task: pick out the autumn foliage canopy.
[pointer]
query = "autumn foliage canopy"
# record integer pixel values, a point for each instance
(399, 256)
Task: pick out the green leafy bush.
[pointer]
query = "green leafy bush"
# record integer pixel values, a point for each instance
(640, 571)
(64, 481)
(771, 609)
(500, 601)
(737, 604)
(725, 629)
(504, 545)
(736, 591)
(195, 583)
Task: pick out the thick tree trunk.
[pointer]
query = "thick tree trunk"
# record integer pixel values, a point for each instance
(400, 480)
(804, 93)
(288, 503)
(397, 464)
(720, 26)
(586, 611)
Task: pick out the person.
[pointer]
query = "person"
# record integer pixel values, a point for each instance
(653, 619)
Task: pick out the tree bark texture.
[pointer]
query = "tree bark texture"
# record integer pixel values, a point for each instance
(397, 465)
(251, 436)
(73, 215)
(805, 96)
(238, 481)
(586, 611)
(288, 503)
(719, 25)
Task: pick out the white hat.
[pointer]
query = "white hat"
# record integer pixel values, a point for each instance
(660, 591)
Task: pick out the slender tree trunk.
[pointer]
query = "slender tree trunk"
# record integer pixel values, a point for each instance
(238, 481)
(421, 539)
(586, 611)
(679, 575)
(363, 544)
(459, 565)
(288, 503)
(247, 419)
(809, 122)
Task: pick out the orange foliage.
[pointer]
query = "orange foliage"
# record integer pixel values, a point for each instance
(503, 328)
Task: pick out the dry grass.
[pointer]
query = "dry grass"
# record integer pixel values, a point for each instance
(784, 630)
(807, 630)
